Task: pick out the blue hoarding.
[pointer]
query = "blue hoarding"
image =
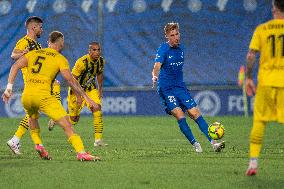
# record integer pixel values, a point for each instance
(210, 102)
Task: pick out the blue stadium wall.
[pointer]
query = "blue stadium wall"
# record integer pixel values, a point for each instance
(216, 34)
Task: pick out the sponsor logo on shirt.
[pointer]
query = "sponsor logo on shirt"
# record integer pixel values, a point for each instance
(176, 63)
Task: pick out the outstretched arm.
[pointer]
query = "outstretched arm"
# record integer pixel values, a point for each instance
(16, 54)
(250, 86)
(100, 78)
(78, 96)
(22, 62)
(67, 75)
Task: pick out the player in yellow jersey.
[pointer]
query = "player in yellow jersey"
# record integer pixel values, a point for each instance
(268, 40)
(42, 68)
(23, 46)
(87, 70)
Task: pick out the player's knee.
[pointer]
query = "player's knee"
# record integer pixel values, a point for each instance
(178, 113)
(193, 113)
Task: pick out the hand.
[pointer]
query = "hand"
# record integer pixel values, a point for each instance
(154, 80)
(7, 95)
(93, 106)
(250, 87)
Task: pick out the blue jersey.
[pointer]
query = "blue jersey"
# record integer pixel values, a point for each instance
(172, 60)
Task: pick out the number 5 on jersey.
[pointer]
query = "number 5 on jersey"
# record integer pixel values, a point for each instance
(38, 64)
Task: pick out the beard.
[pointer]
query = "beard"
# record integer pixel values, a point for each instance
(95, 57)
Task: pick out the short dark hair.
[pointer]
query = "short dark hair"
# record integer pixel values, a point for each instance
(279, 4)
(94, 43)
(31, 19)
(54, 36)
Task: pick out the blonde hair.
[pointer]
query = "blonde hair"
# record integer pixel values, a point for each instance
(54, 36)
(171, 26)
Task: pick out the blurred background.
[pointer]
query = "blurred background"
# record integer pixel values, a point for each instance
(216, 34)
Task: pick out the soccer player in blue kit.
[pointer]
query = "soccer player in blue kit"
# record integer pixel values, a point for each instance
(168, 75)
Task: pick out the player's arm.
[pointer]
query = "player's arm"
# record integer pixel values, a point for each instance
(17, 53)
(100, 78)
(250, 86)
(77, 70)
(155, 72)
(22, 62)
(159, 60)
(74, 84)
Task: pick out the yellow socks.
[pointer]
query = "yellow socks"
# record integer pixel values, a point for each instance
(98, 125)
(76, 142)
(23, 127)
(35, 135)
(256, 138)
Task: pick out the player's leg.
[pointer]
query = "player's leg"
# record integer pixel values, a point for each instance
(36, 138)
(75, 140)
(185, 129)
(169, 100)
(98, 129)
(31, 104)
(188, 103)
(97, 119)
(264, 100)
(256, 138)
(56, 92)
(73, 108)
(62, 119)
(195, 114)
(14, 142)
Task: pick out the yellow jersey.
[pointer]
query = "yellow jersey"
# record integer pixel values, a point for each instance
(86, 70)
(43, 66)
(268, 39)
(27, 43)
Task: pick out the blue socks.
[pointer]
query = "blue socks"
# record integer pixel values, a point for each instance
(203, 126)
(186, 130)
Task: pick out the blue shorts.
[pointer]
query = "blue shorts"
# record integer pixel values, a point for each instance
(176, 97)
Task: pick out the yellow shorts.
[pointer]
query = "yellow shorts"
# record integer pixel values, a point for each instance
(74, 109)
(48, 104)
(269, 104)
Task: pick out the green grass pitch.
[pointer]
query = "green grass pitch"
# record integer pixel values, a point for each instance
(143, 152)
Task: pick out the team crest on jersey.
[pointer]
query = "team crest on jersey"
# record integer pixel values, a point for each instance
(157, 56)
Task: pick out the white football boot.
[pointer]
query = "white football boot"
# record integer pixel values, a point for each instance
(100, 143)
(15, 147)
(197, 147)
(218, 146)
